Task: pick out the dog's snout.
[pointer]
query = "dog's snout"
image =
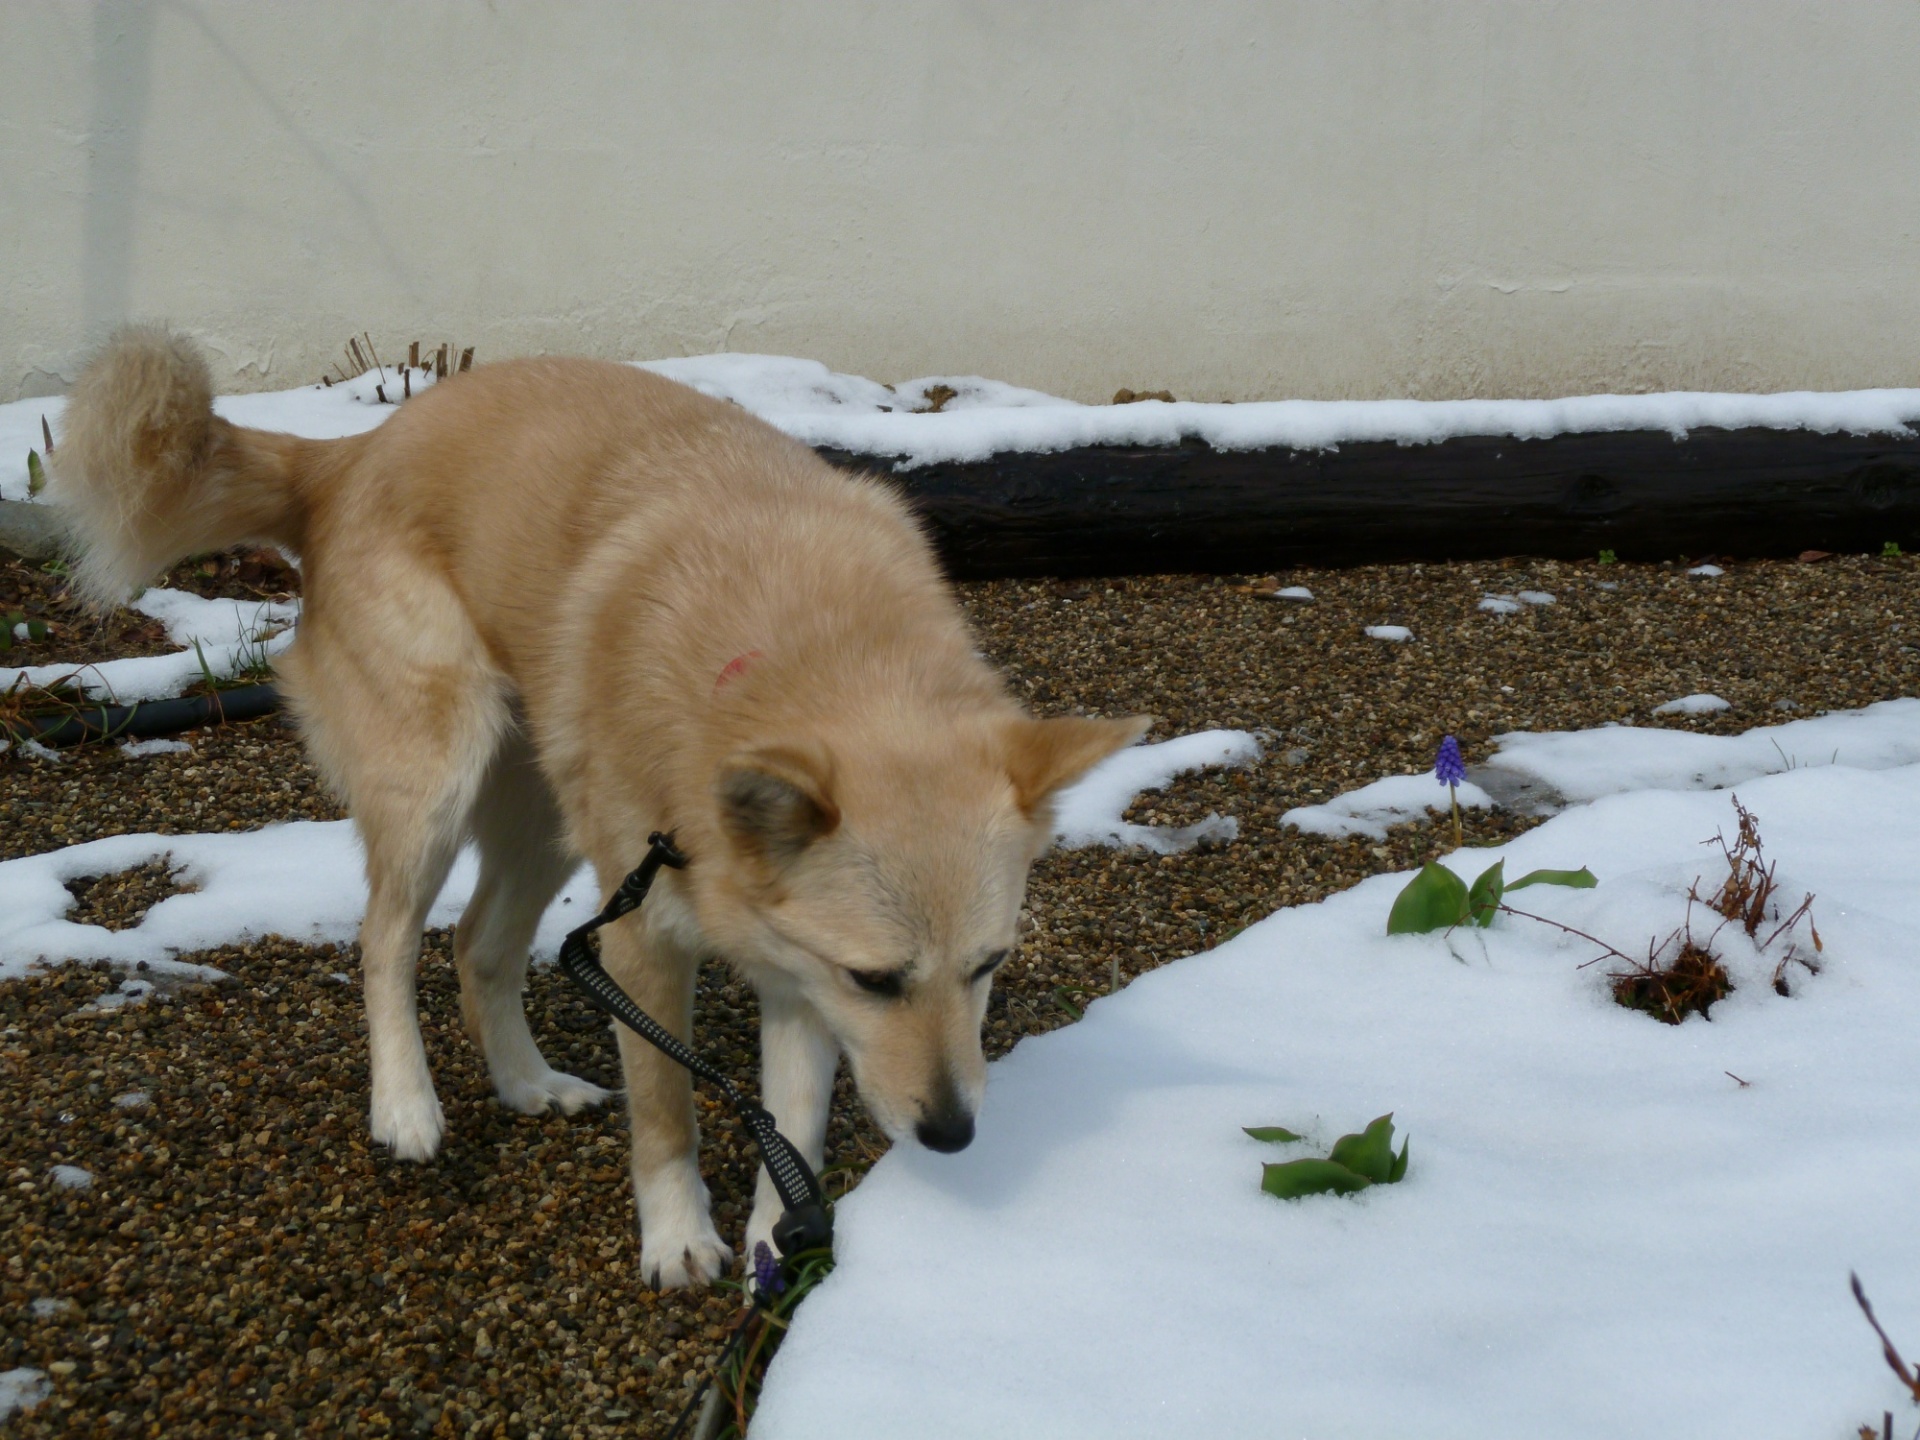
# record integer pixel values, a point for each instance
(946, 1131)
(946, 1122)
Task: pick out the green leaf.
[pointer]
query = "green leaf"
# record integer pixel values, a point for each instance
(1370, 1153)
(1435, 899)
(36, 476)
(1581, 879)
(1483, 900)
(1273, 1133)
(1293, 1179)
(36, 630)
(1399, 1164)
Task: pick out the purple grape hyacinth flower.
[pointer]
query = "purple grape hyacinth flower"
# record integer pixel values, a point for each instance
(1451, 771)
(766, 1271)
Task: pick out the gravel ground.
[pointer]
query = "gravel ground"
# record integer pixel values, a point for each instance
(245, 1262)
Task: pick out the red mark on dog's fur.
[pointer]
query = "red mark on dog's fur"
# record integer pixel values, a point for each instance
(737, 667)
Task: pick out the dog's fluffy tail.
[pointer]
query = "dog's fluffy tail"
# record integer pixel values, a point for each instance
(147, 474)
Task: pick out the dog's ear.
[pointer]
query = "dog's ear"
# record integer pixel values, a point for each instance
(775, 802)
(1045, 755)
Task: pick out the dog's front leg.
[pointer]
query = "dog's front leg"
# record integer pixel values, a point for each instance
(678, 1244)
(798, 1058)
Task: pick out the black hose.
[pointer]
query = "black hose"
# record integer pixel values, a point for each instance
(146, 718)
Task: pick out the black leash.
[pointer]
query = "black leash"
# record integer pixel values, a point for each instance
(805, 1225)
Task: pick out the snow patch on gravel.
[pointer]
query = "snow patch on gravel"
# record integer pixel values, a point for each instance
(230, 635)
(305, 880)
(1091, 811)
(1692, 705)
(1369, 810)
(22, 1389)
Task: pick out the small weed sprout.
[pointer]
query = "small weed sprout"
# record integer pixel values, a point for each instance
(1890, 550)
(1607, 557)
(17, 629)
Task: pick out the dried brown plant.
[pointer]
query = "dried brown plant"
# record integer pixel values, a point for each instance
(1748, 896)
(1688, 984)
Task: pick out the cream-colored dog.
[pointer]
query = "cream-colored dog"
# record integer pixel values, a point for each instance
(554, 605)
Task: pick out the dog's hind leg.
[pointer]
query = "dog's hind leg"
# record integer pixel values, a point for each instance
(523, 863)
(408, 747)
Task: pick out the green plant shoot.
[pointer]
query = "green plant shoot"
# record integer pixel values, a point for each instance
(36, 474)
(1356, 1162)
(1438, 899)
(1274, 1134)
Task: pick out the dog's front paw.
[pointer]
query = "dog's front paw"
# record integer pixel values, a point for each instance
(410, 1127)
(760, 1231)
(547, 1090)
(676, 1262)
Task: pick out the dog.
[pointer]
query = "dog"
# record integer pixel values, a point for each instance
(553, 605)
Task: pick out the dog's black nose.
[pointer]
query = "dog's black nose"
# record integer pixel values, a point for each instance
(947, 1132)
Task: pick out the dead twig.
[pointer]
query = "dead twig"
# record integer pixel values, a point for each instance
(1908, 1376)
(1606, 949)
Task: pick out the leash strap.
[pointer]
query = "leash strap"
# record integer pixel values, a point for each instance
(805, 1225)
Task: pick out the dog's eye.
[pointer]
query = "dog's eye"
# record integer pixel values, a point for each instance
(887, 984)
(986, 967)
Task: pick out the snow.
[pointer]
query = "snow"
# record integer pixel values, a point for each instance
(1709, 571)
(72, 1177)
(1590, 1195)
(1583, 765)
(1398, 634)
(1090, 812)
(230, 636)
(1513, 604)
(849, 412)
(135, 749)
(304, 879)
(131, 1099)
(1293, 592)
(22, 1389)
(130, 992)
(1692, 705)
(985, 417)
(47, 1307)
(1393, 801)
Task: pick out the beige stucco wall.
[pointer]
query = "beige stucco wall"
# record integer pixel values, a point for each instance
(1233, 200)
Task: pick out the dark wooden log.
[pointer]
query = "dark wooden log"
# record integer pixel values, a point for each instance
(1111, 510)
(83, 724)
